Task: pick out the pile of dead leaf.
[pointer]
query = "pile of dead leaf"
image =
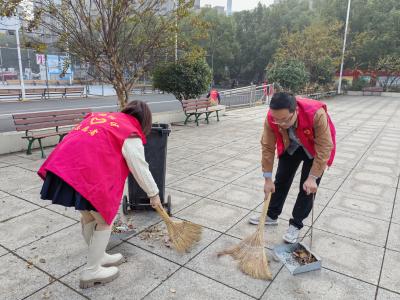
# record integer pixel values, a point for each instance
(303, 257)
(156, 233)
(121, 226)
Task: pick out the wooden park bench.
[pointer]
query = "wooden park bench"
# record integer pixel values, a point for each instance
(10, 93)
(315, 96)
(35, 93)
(17, 93)
(330, 94)
(75, 91)
(55, 91)
(198, 107)
(66, 91)
(13, 81)
(372, 90)
(38, 126)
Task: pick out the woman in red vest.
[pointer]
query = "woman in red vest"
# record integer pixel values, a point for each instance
(88, 169)
(301, 131)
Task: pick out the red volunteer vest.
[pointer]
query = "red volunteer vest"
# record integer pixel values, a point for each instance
(306, 109)
(90, 159)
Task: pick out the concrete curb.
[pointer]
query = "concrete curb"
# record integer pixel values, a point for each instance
(384, 94)
(13, 142)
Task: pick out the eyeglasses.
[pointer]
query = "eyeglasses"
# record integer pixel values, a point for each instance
(283, 122)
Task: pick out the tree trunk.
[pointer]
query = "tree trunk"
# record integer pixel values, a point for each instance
(122, 95)
(120, 87)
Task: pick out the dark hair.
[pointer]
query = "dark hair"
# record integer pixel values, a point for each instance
(141, 111)
(283, 100)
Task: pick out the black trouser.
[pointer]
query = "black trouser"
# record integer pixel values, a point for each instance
(287, 167)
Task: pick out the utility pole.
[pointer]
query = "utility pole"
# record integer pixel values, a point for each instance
(344, 48)
(176, 31)
(21, 75)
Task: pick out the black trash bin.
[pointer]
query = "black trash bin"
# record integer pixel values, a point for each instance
(155, 152)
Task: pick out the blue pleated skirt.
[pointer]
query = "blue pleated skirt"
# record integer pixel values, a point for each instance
(61, 193)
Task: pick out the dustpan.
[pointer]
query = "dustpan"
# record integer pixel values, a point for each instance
(288, 254)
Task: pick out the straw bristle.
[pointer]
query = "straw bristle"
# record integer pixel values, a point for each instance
(183, 234)
(250, 253)
(255, 264)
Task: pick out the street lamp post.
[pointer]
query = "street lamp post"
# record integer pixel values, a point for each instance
(344, 47)
(176, 31)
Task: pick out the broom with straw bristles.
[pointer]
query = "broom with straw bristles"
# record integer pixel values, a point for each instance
(182, 234)
(250, 252)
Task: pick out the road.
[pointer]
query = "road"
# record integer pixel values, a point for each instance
(157, 103)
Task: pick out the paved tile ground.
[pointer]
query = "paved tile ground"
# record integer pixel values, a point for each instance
(214, 179)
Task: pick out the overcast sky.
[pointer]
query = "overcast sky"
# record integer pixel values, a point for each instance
(237, 5)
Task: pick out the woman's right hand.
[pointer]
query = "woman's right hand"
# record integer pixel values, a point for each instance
(269, 186)
(155, 201)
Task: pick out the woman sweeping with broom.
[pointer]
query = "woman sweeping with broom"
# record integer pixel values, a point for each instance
(88, 169)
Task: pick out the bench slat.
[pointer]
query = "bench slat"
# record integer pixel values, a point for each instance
(27, 121)
(196, 108)
(40, 136)
(52, 113)
(194, 101)
(45, 125)
(197, 104)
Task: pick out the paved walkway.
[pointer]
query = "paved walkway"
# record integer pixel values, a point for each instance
(214, 180)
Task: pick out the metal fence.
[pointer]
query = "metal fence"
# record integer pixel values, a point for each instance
(247, 96)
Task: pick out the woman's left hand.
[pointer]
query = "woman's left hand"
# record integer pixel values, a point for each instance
(155, 201)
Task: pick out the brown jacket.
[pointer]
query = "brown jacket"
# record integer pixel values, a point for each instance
(322, 139)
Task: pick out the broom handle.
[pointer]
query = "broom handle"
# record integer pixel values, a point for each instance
(264, 211)
(312, 222)
(161, 211)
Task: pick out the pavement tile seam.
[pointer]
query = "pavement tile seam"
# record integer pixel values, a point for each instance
(387, 236)
(358, 214)
(220, 282)
(19, 154)
(53, 279)
(335, 271)
(283, 266)
(19, 197)
(20, 215)
(205, 177)
(230, 203)
(59, 213)
(44, 236)
(209, 228)
(340, 235)
(186, 192)
(6, 166)
(210, 166)
(26, 169)
(389, 290)
(56, 280)
(205, 196)
(162, 282)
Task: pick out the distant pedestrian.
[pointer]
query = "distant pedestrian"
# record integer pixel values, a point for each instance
(214, 97)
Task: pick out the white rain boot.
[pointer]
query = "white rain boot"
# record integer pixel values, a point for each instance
(107, 260)
(93, 272)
